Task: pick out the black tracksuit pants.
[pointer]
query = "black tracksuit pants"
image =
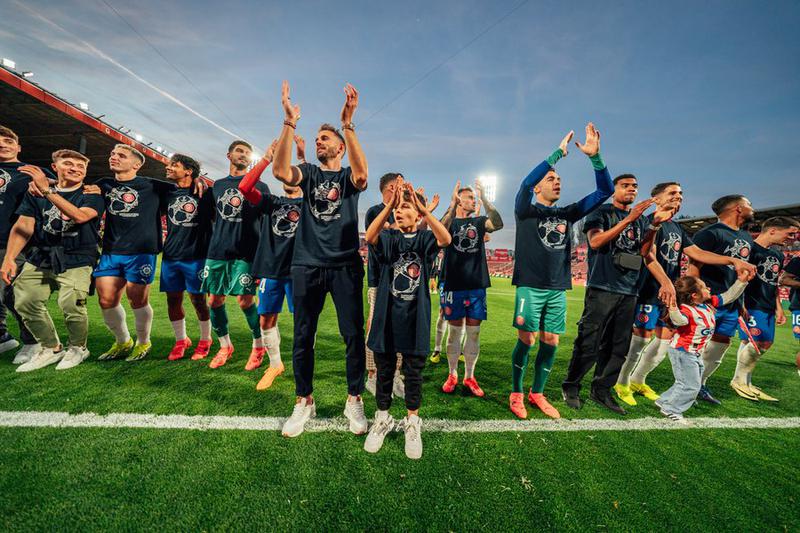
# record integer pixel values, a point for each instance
(311, 285)
(604, 337)
(412, 370)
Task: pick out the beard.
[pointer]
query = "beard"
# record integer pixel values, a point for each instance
(239, 166)
(326, 155)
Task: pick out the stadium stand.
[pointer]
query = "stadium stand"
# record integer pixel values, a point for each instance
(46, 122)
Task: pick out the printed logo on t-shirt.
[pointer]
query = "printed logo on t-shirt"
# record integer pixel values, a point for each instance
(768, 270)
(466, 239)
(740, 249)
(406, 275)
(5, 179)
(122, 200)
(182, 211)
(670, 249)
(325, 201)
(285, 219)
(553, 232)
(229, 205)
(629, 239)
(57, 223)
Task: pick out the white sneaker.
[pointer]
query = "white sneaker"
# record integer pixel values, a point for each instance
(371, 384)
(676, 418)
(296, 424)
(26, 353)
(413, 425)
(380, 428)
(9, 343)
(75, 355)
(398, 386)
(354, 411)
(45, 357)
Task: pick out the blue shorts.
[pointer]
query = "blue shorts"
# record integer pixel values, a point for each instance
(761, 325)
(796, 324)
(179, 276)
(727, 321)
(459, 304)
(271, 293)
(139, 268)
(648, 317)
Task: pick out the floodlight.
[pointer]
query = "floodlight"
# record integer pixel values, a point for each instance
(84, 106)
(138, 137)
(9, 63)
(27, 74)
(489, 183)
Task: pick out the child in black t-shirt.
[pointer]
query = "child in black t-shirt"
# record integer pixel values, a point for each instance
(402, 317)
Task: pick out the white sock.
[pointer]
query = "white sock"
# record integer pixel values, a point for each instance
(179, 327)
(441, 327)
(225, 341)
(258, 343)
(634, 352)
(115, 321)
(272, 341)
(712, 358)
(144, 321)
(453, 348)
(205, 330)
(746, 359)
(463, 336)
(652, 355)
(472, 348)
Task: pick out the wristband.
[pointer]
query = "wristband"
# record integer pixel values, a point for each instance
(553, 158)
(287, 123)
(349, 126)
(653, 227)
(47, 192)
(597, 161)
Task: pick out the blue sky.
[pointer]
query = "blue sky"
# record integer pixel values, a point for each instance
(705, 93)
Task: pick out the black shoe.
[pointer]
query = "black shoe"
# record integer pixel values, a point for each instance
(607, 401)
(572, 399)
(706, 396)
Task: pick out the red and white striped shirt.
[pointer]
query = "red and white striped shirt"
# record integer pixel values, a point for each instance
(697, 326)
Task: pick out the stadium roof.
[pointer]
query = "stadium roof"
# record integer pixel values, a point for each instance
(45, 123)
(693, 224)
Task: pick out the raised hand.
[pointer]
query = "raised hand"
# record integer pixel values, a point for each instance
(454, 198)
(37, 176)
(269, 155)
(479, 189)
(565, 142)
(639, 209)
(591, 145)
(350, 104)
(663, 215)
(300, 143)
(433, 204)
(291, 111)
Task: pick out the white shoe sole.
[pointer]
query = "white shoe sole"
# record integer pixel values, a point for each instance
(373, 447)
(63, 365)
(356, 427)
(23, 368)
(414, 454)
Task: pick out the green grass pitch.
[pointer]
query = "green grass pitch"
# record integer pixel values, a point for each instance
(129, 479)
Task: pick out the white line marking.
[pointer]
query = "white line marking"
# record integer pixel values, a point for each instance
(248, 423)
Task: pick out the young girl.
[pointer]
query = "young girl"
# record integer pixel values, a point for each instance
(693, 317)
(402, 318)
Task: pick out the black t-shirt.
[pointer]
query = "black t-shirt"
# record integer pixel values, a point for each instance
(543, 246)
(603, 274)
(54, 232)
(189, 219)
(762, 291)
(723, 240)
(273, 257)
(133, 215)
(373, 269)
(670, 242)
(327, 235)
(793, 268)
(235, 233)
(464, 265)
(13, 186)
(402, 318)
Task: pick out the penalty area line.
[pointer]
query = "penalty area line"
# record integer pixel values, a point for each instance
(44, 419)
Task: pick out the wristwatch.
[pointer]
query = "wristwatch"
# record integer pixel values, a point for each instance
(349, 126)
(47, 191)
